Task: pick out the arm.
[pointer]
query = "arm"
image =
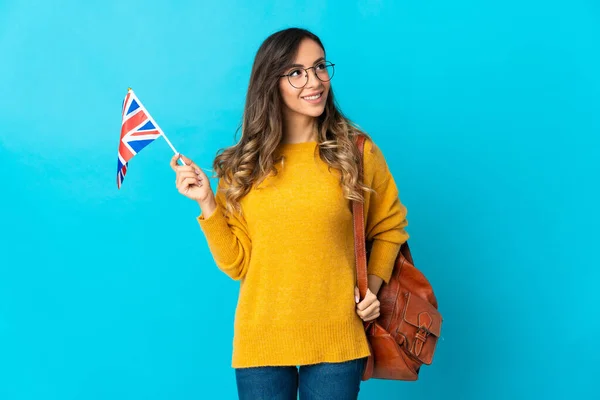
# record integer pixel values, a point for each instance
(374, 283)
(208, 207)
(227, 236)
(385, 216)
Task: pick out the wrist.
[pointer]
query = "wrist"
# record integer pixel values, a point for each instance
(374, 283)
(207, 206)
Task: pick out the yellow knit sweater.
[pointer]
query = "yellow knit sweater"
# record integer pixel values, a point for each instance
(293, 252)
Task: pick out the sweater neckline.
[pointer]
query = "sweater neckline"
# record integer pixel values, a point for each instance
(298, 146)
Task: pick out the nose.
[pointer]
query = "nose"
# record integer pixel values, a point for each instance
(312, 78)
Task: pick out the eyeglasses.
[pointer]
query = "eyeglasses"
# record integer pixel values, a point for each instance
(324, 72)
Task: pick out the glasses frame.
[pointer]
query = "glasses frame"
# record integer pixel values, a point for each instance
(327, 63)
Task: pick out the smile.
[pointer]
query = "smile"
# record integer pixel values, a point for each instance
(314, 99)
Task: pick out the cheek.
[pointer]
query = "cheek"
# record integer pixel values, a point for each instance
(288, 94)
(327, 85)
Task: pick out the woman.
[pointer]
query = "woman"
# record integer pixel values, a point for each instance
(281, 223)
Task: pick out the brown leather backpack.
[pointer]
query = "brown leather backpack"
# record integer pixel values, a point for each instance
(405, 334)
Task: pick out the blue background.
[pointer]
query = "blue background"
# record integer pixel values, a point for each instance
(488, 115)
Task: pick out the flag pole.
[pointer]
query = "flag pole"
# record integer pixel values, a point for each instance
(156, 125)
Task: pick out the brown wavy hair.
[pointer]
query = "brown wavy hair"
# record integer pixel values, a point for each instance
(253, 158)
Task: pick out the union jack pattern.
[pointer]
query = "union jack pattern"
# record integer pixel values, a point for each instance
(138, 130)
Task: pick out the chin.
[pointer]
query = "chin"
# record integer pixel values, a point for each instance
(310, 111)
(315, 113)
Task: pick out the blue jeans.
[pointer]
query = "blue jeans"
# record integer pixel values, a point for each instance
(323, 381)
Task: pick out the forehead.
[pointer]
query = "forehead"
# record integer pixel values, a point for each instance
(308, 52)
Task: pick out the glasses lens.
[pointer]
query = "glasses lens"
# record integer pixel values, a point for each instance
(298, 78)
(324, 71)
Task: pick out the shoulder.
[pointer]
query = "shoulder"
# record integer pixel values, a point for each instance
(371, 150)
(375, 168)
(373, 155)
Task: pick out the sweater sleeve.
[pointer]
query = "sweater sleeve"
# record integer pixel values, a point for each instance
(385, 214)
(228, 238)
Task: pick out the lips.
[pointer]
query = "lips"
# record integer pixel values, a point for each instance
(313, 96)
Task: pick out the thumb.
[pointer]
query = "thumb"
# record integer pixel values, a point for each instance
(186, 160)
(356, 294)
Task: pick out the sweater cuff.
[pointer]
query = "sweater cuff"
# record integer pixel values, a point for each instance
(217, 218)
(382, 259)
(216, 230)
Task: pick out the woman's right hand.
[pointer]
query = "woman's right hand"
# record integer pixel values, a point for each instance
(191, 181)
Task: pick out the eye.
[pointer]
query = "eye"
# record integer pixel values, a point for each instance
(295, 72)
(321, 66)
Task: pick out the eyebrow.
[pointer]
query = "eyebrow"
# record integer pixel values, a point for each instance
(300, 65)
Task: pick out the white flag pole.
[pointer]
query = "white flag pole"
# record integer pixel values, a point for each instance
(130, 90)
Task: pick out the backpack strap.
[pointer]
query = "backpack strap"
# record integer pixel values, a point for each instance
(360, 244)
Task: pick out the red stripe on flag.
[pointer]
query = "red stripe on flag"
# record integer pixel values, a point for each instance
(148, 132)
(124, 152)
(133, 122)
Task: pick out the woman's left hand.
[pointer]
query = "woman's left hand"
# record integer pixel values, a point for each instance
(368, 308)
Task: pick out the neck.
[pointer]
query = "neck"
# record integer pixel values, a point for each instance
(299, 128)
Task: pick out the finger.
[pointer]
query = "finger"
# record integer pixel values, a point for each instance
(176, 167)
(200, 172)
(187, 161)
(183, 189)
(363, 305)
(191, 181)
(366, 303)
(188, 174)
(374, 307)
(185, 168)
(370, 294)
(185, 174)
(371, 317)
(369, 297)
(356, 294)
(186, 183)
(173, 162)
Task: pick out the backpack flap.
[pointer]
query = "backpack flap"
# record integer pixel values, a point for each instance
(421, 327)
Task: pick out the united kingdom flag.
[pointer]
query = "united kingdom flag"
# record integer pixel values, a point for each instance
(138, 130)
